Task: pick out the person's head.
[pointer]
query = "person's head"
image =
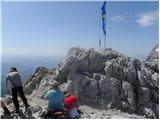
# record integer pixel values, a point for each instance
(13, 69)
(54, 85)
(67, 93)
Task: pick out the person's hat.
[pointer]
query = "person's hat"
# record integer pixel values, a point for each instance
(54, 84)
(13, 69)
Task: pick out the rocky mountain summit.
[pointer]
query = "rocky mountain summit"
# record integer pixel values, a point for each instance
(103, 80)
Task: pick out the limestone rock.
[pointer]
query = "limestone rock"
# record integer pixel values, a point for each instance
(85, 88)
(127, 97)
(43, 86)
(155, 79)
(144, 95)
(105, 78)
(34, 81)
(113, 69)
(109, 89)
(154, 55)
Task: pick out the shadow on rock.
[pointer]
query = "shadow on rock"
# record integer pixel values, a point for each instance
(26, 115)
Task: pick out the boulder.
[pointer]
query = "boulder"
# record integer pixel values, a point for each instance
(131, 74)
(109, 89)
(109, 54)
(113, 69)
(80, 60)
(43, 87)
(151, 110)
(8, 99)
(83, 60)
(144, 95)
(153, 57)
(85, 88)
(34, 81)
(149, 113)
(155, 79)
(127, 97)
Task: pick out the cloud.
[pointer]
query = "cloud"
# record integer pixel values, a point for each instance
(118, 18)
(147, 19)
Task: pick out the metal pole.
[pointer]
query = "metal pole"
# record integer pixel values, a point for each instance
(105, 42)
(99, 29)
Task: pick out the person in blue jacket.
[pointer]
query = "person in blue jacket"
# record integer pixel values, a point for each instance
(55, 98)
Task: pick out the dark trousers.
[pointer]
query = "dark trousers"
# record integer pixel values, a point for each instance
(19, 90)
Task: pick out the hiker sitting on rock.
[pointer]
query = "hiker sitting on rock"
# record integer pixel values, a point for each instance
(71, 105)
(15, 80)
(55, 98)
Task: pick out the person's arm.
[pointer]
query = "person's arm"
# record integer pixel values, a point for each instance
(7, 85)
(20, 79)
(46, 96)
(19, 76)
(67, 94)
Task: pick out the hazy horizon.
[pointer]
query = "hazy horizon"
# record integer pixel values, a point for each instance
(36, 57)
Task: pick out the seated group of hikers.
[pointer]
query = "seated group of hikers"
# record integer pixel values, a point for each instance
(59, 102)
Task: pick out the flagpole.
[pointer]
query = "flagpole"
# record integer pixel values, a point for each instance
(104, 22)
(105, 35)
(99, 30)
(105, 42)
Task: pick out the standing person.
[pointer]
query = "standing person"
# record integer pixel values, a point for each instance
(71, 105)
(15, 80)
(55, 99)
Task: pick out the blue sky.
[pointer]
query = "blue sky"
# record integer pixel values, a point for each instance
(50, 29)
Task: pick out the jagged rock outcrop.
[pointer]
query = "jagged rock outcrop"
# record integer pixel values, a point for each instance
(153, 58)
(37, 84)
(34, 80)
(106, 78)
(154, 55)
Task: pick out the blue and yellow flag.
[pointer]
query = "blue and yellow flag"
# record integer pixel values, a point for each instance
(104, 17)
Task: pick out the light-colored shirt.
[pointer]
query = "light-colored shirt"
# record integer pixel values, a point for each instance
(55, 99)
(14, 78)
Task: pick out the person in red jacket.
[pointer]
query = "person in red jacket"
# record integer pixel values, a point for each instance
(71, 105)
